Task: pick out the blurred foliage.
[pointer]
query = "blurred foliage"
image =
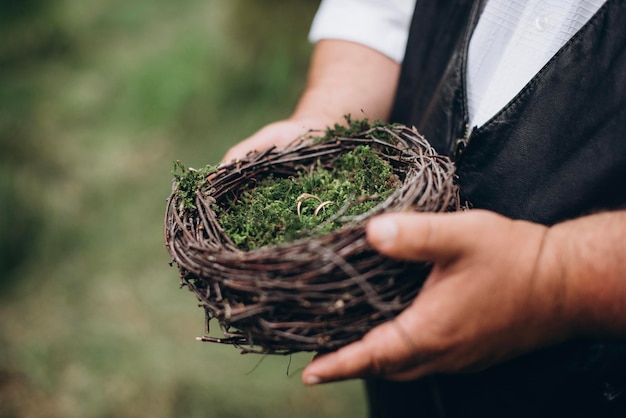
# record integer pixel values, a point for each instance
(27, 39)
(97, 99)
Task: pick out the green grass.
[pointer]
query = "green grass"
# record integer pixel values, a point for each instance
(98, 99)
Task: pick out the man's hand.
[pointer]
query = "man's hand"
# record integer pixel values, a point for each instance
(280, 134)
(495, 291)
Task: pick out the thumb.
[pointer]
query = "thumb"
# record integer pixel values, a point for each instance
(437, 237)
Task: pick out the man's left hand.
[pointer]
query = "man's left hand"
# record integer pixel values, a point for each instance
(494, 293)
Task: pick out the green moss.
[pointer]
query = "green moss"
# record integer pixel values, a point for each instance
(188, 180)
(356, 128)
(266, 212)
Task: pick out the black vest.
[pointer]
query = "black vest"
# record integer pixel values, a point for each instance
(555, 151)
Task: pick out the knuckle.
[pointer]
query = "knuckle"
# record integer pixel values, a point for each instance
(379, 365)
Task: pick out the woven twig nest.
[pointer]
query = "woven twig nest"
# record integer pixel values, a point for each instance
(316, 293)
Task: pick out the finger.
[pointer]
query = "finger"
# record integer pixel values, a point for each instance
(279, 133)
(383, 351)
(424, 237)
(261, 140)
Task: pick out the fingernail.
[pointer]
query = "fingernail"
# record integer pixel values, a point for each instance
(312, 380)
(383, 231)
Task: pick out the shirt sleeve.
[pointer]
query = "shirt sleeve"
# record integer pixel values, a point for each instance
(382, 25)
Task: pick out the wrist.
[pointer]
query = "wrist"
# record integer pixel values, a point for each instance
(551, 273)
(585, 255)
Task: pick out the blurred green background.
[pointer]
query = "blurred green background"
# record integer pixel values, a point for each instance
(97, 99)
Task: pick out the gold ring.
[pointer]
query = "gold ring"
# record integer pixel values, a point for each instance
(302, 198)
(322, 205)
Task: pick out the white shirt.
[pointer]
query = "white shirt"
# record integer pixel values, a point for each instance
(382, 25)
(513, 40)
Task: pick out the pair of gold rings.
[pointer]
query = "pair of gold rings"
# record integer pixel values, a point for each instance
(305, 196)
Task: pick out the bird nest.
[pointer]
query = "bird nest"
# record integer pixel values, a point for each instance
(318, 292)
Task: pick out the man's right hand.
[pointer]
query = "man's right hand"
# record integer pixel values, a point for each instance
(280, 134)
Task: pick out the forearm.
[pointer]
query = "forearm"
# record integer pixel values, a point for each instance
(344, 78)
(589, 255)
(348, 78)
